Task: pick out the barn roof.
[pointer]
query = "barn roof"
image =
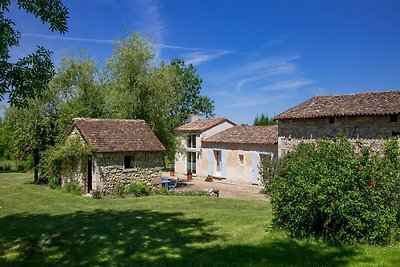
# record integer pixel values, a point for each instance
(362, 104)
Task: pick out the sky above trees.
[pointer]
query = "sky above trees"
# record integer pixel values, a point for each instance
(254, 56)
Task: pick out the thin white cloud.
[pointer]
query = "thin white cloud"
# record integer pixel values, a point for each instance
(65, 38)
(199, 57)
(110, 41)
(146, 16)
(292, 84)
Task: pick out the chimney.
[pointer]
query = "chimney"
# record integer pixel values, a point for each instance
(193, 117)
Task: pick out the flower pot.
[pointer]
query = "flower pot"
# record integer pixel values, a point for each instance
(172, 172)
(189, 176)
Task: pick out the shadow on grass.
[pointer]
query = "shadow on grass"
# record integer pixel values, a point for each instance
(142, 238)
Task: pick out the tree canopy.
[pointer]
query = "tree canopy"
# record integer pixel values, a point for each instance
(27, 77)
(263, 119)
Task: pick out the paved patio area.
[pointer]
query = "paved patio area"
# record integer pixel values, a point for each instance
(226, 189)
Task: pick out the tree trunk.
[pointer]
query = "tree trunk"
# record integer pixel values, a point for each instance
(36, 159)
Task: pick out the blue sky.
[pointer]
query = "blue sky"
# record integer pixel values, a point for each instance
(253, 56)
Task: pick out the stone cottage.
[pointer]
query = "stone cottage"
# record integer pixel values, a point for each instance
(234, 154)
(367, 117)
(191, 134)
(124, 151)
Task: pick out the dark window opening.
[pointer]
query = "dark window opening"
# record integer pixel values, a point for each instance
(395, 133)
(331, 120)
(129, 162)
(191, 141)
(393, 118)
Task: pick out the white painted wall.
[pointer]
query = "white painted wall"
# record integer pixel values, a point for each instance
(180, 158)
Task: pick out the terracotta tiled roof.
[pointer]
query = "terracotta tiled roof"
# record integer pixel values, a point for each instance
(109, 135)
(246, 135)
(201, 125)
(363, 104)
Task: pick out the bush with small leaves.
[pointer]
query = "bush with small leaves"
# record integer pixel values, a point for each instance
(120, 189)
(73, 187)
(139, 189)
(326, 190)
(54, 182)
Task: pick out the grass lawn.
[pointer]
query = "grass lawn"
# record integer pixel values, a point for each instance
(44, 227)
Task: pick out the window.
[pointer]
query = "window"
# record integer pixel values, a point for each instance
(241, 159)
(191, 162)
(331, 120)
(393, 118)
(129, 162)
(191, 141)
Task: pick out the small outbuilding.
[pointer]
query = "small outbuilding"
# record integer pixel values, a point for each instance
(124, 151)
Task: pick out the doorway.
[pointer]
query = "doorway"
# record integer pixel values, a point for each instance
(218, 159)
(191, 162)
(89, 187)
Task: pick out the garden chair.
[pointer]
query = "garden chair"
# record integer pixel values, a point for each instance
(173, 186)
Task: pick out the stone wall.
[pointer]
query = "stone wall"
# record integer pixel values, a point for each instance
(370, 130)
(109, 169)
(364, 127)
(76, 173)
(288, 144)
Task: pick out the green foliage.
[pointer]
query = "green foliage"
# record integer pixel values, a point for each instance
(326, 190)
(29, 76)
(73, 187)
(54, 182)
(189, 99)
(120, 189)
(5, 141)
(7, 166)
(139, 189)
(66, 155)
(33, 131)
(196, 193)
(263, 119)
(76, 91)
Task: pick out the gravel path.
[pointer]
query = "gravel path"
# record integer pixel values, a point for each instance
(226, 189)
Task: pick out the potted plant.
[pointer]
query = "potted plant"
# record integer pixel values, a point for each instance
(171, 171)
(189, 175)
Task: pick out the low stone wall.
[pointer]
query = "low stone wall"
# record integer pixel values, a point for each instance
(109, 170)
(286, 144)
(112, 175)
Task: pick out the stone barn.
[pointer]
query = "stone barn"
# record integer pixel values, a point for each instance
(124, 151)
(367, 117)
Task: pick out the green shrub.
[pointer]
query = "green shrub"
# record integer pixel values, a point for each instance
(326, 190)
(6, 166)
(73, 187)
(54, 182)
(166, 192)
(139, 189)
(119, 189)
